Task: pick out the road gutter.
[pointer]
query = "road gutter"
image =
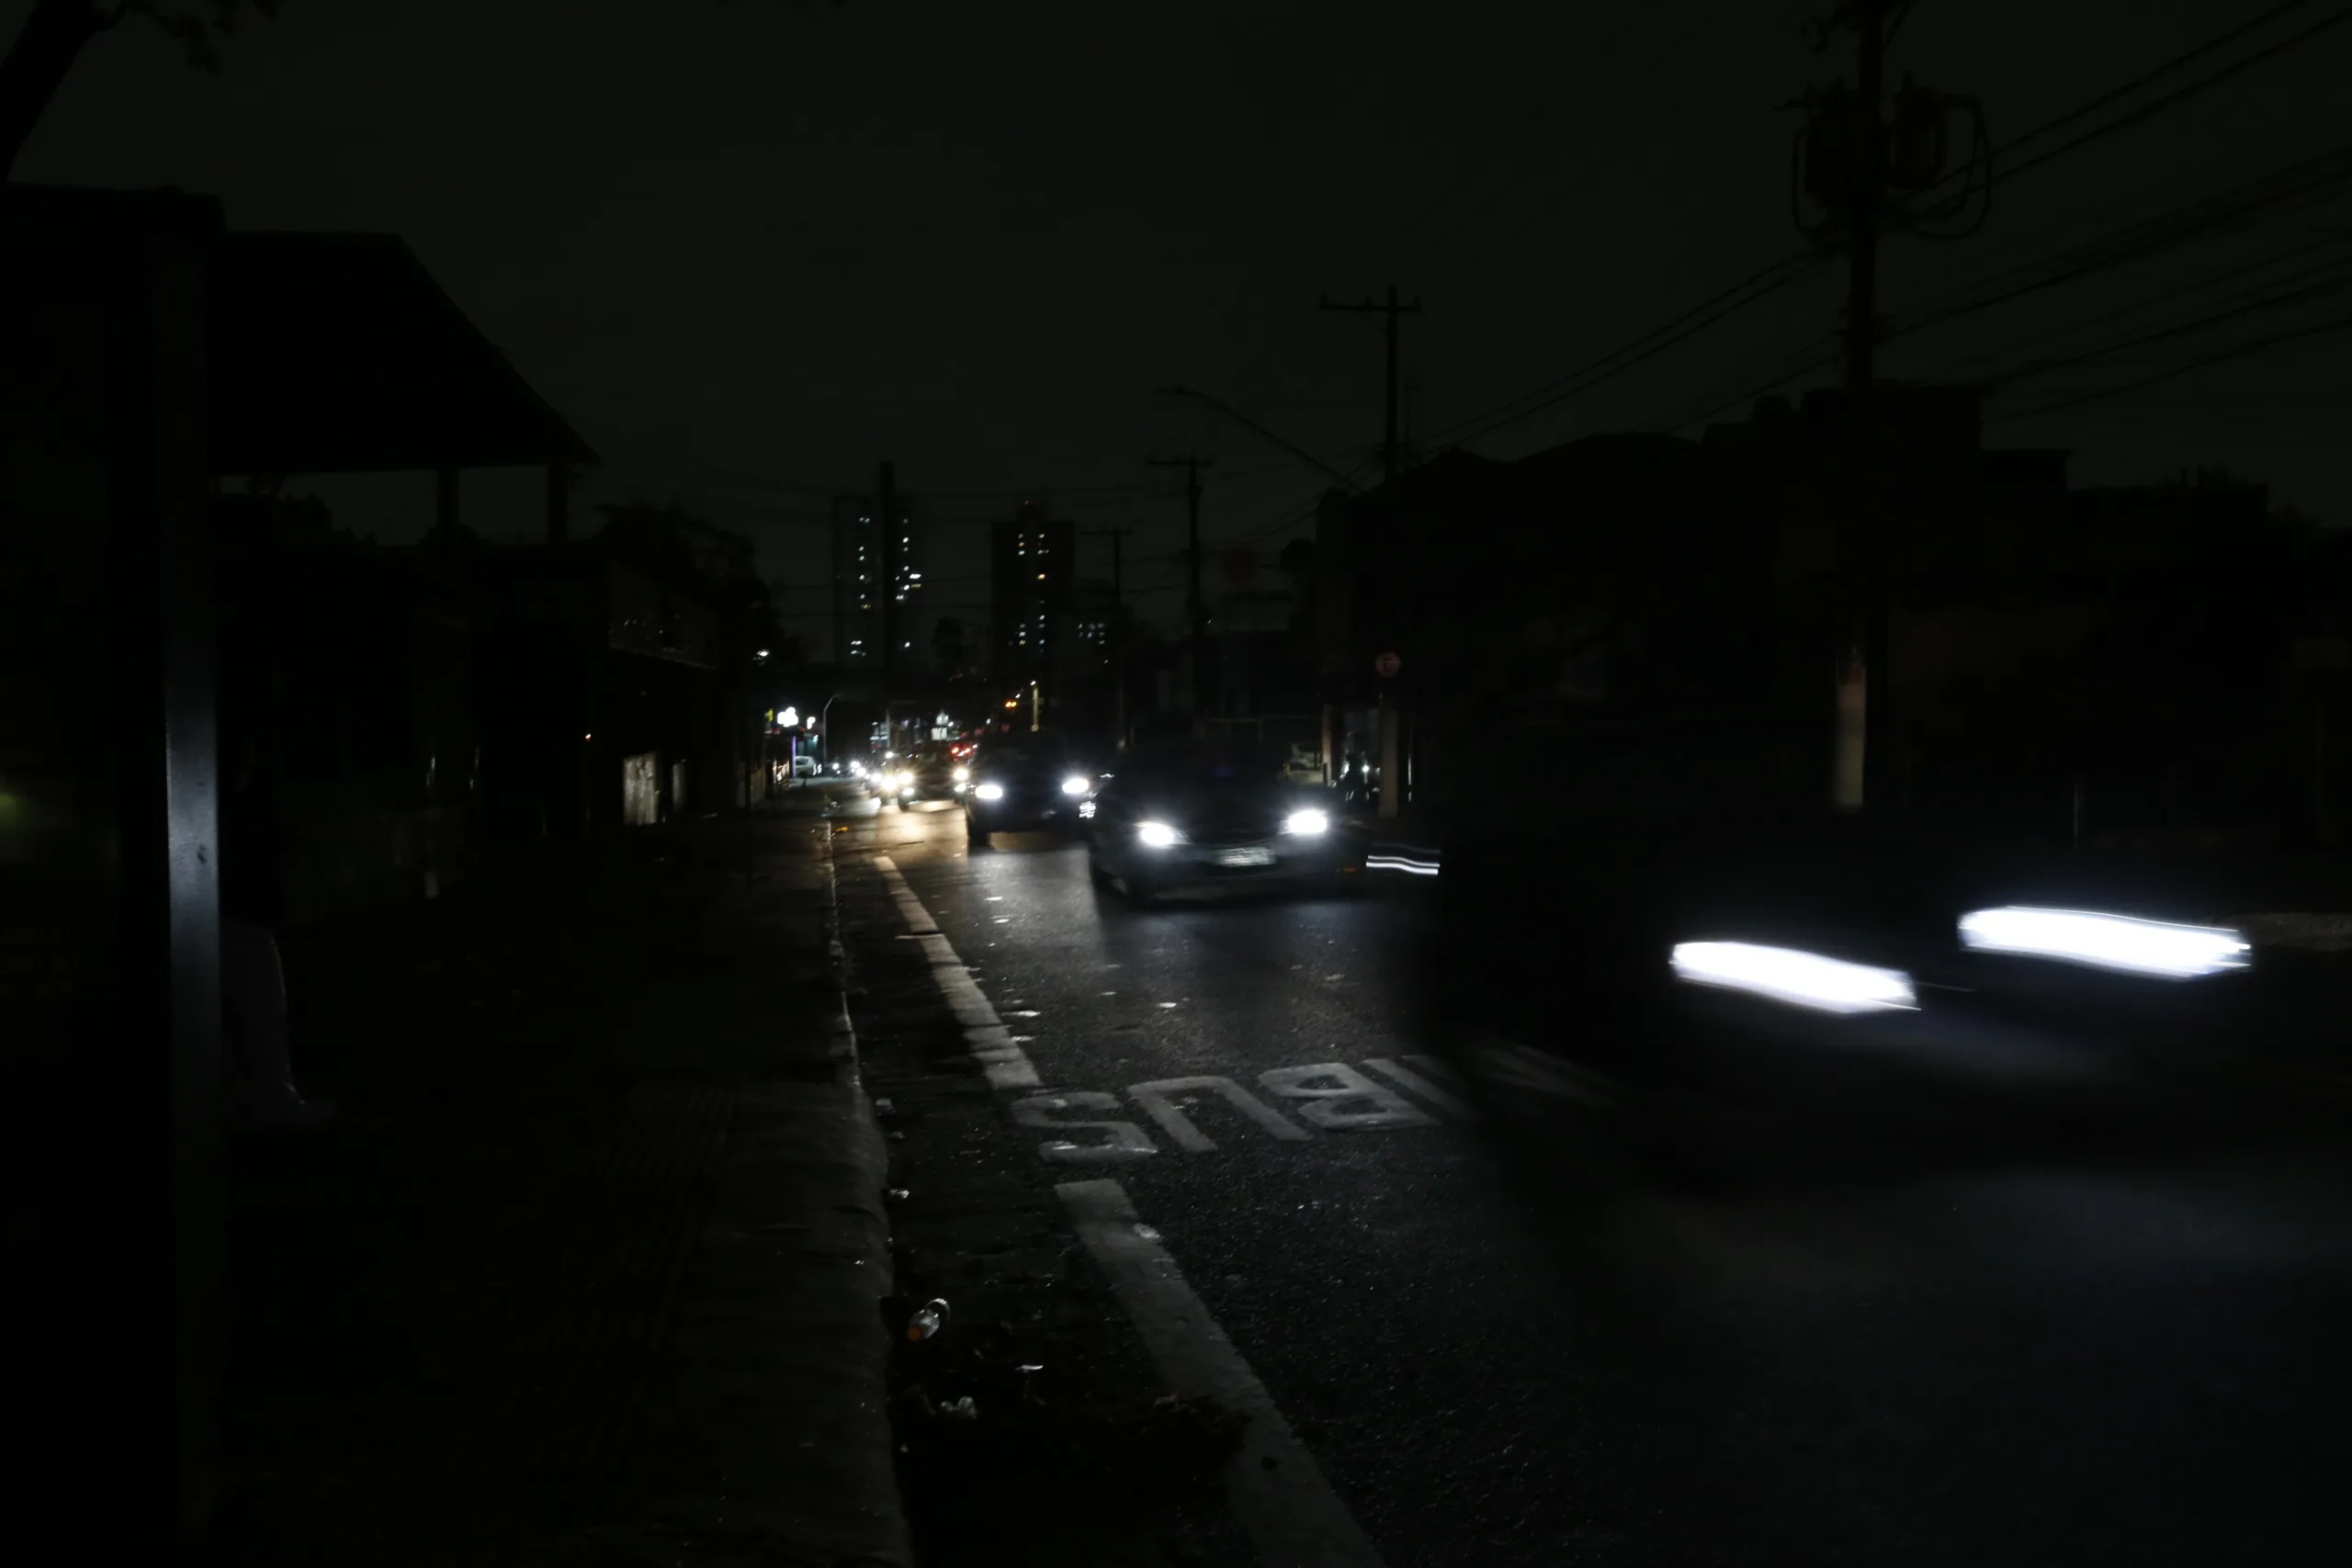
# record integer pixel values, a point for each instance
(1277, 1492)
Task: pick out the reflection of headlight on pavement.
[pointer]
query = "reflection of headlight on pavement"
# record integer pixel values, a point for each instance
(960, 788)
(1075, 785)
(1309, 821)
(991, 791)
(1158, 835)
(2106, 941)
(963, 774)
(1805, 979)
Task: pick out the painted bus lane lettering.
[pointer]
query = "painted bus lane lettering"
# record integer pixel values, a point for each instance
(1329, 1097)
(1124, 1140)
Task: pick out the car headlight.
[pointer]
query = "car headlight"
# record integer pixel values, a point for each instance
(989, 792)
(1086, 809)
(1308, 822)
(1158, 835)
(2107, 941)
(1801, 979)
(962, 775)
(1075, 785)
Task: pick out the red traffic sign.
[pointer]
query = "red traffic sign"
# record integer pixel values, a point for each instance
(1387, 664)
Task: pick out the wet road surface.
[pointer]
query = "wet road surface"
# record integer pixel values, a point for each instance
(2100, 1359)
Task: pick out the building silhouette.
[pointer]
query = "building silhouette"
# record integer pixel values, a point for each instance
(860, 559)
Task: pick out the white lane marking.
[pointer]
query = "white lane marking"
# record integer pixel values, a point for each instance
(1127, 1140)
(1279, 1495)
(1388, 1068)
(1324, 1091)
(1006, 1064)
(1154, 1098)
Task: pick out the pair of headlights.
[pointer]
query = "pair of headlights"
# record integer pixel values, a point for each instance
(2157, 949)
(1072, 786)
(1161, 836)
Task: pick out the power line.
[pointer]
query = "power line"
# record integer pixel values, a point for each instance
(2244, 302)
(2157, 105)
(2150, 237)
(2238, 351)
(1756, 286)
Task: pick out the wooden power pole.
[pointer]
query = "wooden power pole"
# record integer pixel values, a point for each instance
(1393, 310)
(1198, 612)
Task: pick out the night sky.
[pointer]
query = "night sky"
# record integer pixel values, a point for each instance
(751, 248)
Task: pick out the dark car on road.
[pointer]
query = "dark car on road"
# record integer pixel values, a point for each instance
(1027, 780)
(1209, 816)
(1727, 993)
(927, 773)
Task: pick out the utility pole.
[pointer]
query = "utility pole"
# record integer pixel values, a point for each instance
(1118, 625)
(1197, 613)
(1392, 309)
(1871, 178)
(1865, 526)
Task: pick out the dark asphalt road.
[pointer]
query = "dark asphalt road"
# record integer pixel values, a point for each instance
(2096, 1360)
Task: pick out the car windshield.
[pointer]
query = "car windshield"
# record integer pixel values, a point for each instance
(1024, 748)
(1200, 770)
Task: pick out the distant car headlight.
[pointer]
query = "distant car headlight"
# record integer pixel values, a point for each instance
(857, 770)
(962, 775)
(1309, 821)
(1075, 785)
(1157, 835)
(989, 792)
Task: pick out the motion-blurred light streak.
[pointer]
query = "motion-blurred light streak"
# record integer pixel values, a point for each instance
(1787, 975)
(2107, 941)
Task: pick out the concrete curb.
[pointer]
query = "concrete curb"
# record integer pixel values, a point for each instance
(780, 1447)
(876, 1441)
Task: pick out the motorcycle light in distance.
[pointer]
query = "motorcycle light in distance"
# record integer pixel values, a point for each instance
(963, 775)
(1309, 821)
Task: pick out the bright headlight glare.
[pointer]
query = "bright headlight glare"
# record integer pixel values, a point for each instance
(1309, 821)
(963, 774)
(1158, 835)
(1802, 979)
(1075, 785)
(2107, 941)
(991, 791)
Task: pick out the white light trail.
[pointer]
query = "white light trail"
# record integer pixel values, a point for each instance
(2107, 941)
(1786, 975)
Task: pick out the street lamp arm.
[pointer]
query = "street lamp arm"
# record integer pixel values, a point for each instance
(1248, 424)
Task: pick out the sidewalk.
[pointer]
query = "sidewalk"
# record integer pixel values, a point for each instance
(587, 1271)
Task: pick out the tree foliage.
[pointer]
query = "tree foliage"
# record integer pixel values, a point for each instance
(199, 27)
(56, 31)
